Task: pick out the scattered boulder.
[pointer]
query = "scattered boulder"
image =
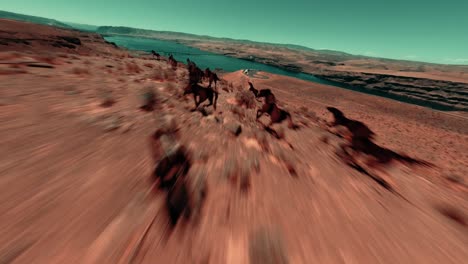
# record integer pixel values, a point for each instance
(147, 99)
(216, 119)
(234, 127)
(168, 124)
(107, 100)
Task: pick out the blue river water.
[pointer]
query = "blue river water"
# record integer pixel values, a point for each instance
(205, 59)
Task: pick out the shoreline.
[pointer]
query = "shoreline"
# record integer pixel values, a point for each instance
(367, 83)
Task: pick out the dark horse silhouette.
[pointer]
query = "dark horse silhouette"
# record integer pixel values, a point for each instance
(172, 166)
(203, 93)
(211, 76)
(195, 74)
(155, 54)
(190, 64)
(253, 90)
(277, 115)
(360, 140)
(171, 61)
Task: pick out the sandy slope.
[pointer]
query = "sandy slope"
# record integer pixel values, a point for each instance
(75, 176)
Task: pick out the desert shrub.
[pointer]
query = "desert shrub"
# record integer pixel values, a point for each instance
(171, 87)
(169, 75)
(132, 68)
(147, 98)
(106, 98)
(246, 98)
(80, 71)
(157, 74)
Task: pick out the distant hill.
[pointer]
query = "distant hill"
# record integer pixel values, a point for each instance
(34, 19)
(83, 27)
(110, 30)
(170, 35)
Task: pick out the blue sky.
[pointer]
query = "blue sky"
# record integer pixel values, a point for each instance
(433, 31)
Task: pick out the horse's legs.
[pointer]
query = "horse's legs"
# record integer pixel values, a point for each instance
(290, 122)
(259, 113)
(195, 99)
(210, 99)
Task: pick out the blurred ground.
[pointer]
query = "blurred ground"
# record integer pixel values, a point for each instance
(75, 167)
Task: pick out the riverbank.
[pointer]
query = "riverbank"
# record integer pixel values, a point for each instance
(436, 86)
(444, 87)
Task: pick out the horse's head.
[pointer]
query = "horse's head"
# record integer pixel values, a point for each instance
(264, 93)
(335, 111)
(337, 114)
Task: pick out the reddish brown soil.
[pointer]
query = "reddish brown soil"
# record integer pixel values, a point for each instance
(75, 176)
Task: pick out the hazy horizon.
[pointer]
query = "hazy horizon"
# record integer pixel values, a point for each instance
(426, 31)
